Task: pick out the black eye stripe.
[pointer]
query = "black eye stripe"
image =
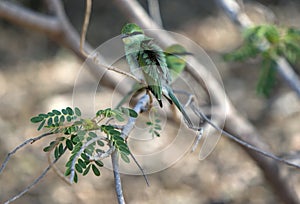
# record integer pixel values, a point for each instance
(134, 33)
(131, 34)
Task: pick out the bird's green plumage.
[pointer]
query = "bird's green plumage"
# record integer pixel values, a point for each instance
(175, 58)
(130, 28)
(147, 61)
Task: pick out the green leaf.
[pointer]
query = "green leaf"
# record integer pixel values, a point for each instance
(56, 153)
(85, 157)
(149, 123)
(100, 143)
(99, 112)
(41, 125)
(77, 147)
(69, 163)
(43, 115)
(76, 139)
(36, 119)
(89, 150)
(47, 149)
(157, 127)
(99, 163)
(125, 150)
(70, 111)
(69, 118)
(61, 149)
(49, 122)
(77, 111)
(132, 113)
(82, 163)
(64, 111)
(114, 132)
(267, 77)
(50, 114)
(75, 177)
(78, 168)
(86, 171)
(68, 171)
(56, 112)
(124, 157)
(69, 144)
(56, 120)
(92, 134)
(95, 170)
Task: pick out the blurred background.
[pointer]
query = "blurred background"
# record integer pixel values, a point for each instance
(37, 75)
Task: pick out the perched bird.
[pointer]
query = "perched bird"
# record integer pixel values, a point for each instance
(147, 62)
(175, 58)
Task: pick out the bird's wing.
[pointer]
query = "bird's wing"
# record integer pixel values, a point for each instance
(153, 64)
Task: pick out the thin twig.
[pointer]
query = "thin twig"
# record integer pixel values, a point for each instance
(33, 183)
(197, 139)
(56, 170)
(241, 142)
(102, 155)
(31, 140)
(141, 169)
(97, 61)
(85, 26)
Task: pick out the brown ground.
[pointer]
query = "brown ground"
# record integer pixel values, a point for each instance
(37, 76)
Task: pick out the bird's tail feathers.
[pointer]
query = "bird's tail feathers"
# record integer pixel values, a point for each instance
(180, 108)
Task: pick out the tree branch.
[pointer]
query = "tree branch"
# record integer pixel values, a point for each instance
(29, 141)
(37, 180)
(235, 124)
(154, 11)
(23, 17)
(117, 176)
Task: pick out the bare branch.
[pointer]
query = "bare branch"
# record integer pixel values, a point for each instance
(139, 107)
(117, 176)
(153, 6)
(43, 174)
(56, 170)
(85, 26)
(29, 141)
(241, 142)
(21, 16)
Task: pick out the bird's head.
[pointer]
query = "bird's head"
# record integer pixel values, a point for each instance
(130, 31)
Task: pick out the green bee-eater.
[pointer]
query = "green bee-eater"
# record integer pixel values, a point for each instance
(147, 61)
